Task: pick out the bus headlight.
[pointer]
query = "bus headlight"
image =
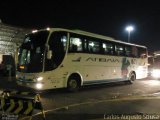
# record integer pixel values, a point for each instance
(39, 79)
(39, 85)
(156, 73)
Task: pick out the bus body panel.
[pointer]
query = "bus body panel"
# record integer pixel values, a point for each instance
(93, 69)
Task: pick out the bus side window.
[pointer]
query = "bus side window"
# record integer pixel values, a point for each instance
(74, 48)
(64, 42)
(93, 47)
(104, 48)
(128, 51)
(142, 52)
(75, 44)
(110, 48)
(107, 48)
(134, 52)
(57, 43)
(119, 50)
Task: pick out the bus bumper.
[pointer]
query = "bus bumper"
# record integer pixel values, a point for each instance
(33, 85)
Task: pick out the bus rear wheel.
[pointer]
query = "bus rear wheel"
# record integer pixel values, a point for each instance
(73, 84)
(132, 77)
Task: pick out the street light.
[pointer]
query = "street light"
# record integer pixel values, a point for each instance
(129, 29)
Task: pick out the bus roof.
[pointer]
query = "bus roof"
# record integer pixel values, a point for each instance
(92, 35)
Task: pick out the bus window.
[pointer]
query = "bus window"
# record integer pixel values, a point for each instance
(93, 47)
(75, 44)
(107, 48)
(142, 52)
(57, 43)
(64, 42)
(128, 51)
(119, 50)
(134, 51)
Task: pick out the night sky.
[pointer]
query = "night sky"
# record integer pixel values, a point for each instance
(106, 17)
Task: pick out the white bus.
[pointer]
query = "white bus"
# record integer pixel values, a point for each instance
(61, 58)
(154, 65)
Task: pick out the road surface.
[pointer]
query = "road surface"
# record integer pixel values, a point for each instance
(115, 100)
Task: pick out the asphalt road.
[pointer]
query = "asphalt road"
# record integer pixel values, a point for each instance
(140, 100)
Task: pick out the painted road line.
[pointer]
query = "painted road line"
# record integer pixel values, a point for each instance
(101, 101)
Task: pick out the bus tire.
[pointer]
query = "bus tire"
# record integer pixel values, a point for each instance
(73, 84)
(132, 77)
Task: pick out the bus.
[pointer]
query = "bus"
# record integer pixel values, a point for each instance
(154, 65)
(62, 58)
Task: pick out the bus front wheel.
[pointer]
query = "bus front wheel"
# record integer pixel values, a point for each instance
(73, 84)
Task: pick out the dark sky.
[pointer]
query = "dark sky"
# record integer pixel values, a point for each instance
(106, 17)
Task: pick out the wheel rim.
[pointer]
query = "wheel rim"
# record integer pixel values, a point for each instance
(73, 84)
(132, 78)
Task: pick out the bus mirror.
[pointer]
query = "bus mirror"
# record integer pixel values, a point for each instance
(49, 54)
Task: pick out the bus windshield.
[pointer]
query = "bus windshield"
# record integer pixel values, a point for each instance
(31, 52)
